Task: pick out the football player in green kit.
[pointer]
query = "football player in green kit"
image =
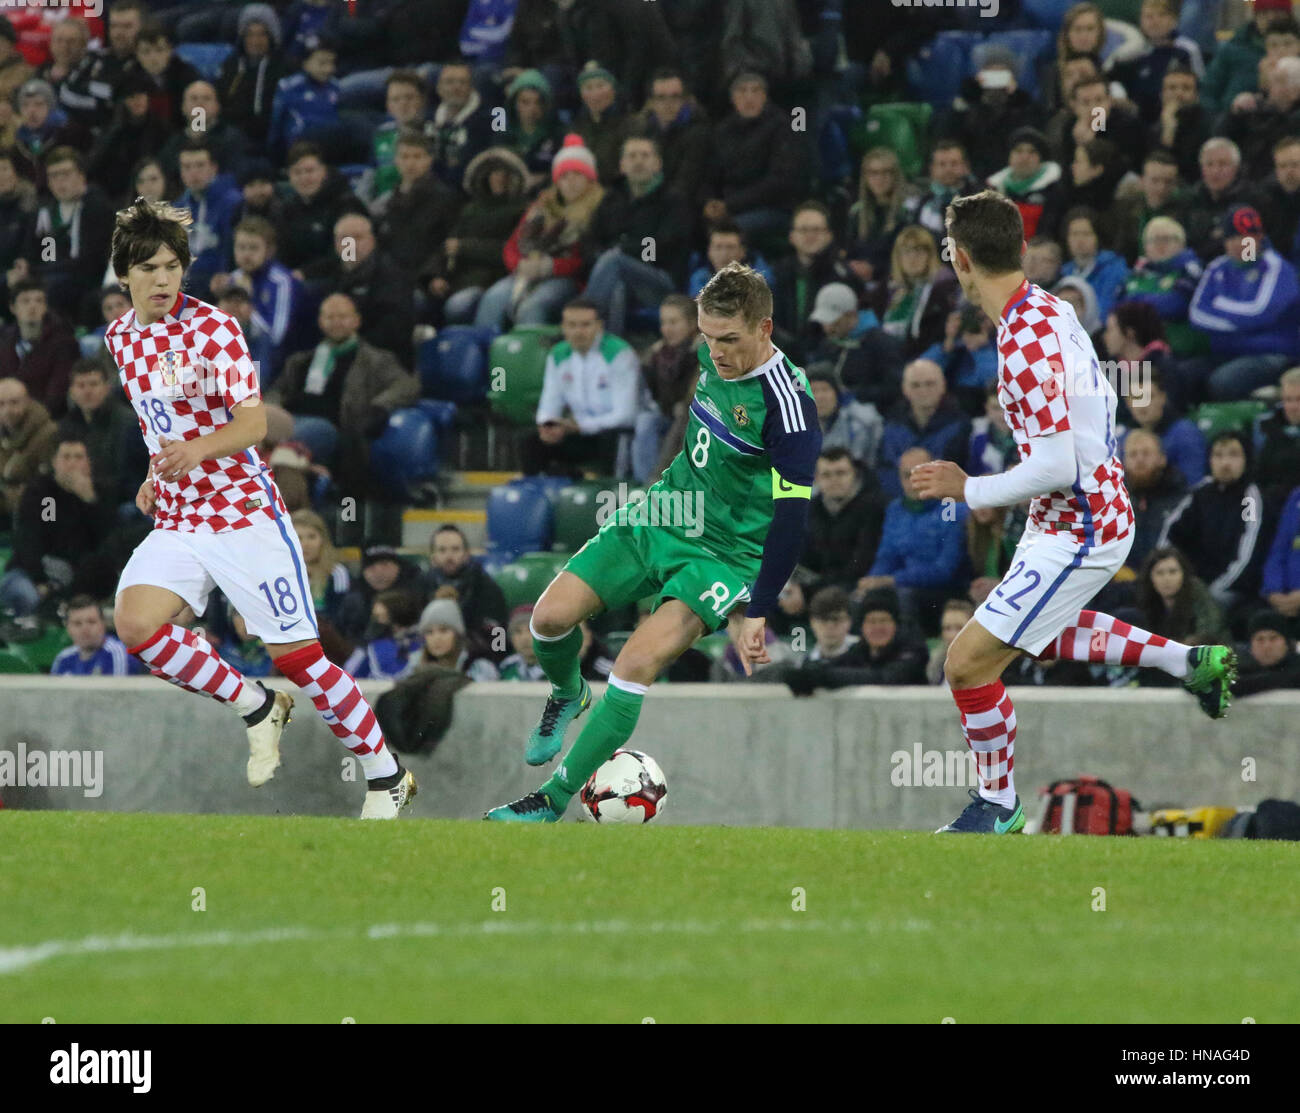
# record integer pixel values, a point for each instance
(716, 539)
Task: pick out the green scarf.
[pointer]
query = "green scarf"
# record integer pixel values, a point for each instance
(323, 362)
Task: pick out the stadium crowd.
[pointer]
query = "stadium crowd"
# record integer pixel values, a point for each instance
(366, 174)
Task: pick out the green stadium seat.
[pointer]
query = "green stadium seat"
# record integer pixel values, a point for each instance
(42, 651)
(517, 365)
(1130, 11)
(903, 128)
(522, 581)
(576, 507)
(1214, 418)
(14, 660)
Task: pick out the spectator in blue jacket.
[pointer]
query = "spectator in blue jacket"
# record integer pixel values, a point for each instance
(1165, 278)
(1281, 579)
(968, 356)
(94, 651)
(922, 548)
(1151, 409)
(278, 297)
(212, 198)
(391, 639)
(992, 447)
(1247, 302)
(306, 105)
(1105, 271)
(726, 245)
(926, 417)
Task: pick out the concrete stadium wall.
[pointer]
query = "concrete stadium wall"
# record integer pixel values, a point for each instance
(732, 754)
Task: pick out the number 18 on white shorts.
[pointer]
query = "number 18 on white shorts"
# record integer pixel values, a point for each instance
(1052, 577)
(259, 568)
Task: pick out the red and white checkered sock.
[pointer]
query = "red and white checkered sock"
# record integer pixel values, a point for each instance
(989, 723)
(1103, 639)
(341, 704)
(188, 661)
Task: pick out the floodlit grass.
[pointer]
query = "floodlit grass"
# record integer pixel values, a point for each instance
(315, 920)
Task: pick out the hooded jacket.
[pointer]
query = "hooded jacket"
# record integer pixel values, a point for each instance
(483, 226)
(246, 86)
(1106, 275)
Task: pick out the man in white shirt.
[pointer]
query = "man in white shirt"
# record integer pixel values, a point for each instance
(589, 397)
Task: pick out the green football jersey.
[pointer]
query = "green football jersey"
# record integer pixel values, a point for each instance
(749, 441)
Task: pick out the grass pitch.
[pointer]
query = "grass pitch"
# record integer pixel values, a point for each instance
(315, 920)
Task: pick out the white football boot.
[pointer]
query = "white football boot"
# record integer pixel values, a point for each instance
(385, 803)
(264, 741)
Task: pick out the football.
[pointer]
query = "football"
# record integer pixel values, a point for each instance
(628, 788)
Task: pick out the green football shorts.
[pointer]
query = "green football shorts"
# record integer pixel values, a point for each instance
(625, 563)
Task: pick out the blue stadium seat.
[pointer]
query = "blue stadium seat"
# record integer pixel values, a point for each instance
(550, 484)
(205, 57)
(406, 453)
(1029, 47)
(353, 172)
(519, 517)
(937, 70)
(442, 413)
(833, 143)
(1047, 14)
(453, 365)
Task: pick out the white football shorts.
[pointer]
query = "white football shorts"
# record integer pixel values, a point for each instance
(260, 569)
(1052, 577)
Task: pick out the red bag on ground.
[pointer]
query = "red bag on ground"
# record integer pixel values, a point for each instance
(1086, 806)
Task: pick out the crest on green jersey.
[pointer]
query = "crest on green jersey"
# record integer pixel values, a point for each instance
(740, 414)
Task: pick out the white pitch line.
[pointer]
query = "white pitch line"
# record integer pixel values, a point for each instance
(16, 959)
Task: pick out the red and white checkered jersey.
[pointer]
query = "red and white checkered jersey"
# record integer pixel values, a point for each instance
(183, 375)
(1049, 381)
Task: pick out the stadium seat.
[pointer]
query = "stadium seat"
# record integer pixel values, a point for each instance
(14, 660)
(523, 580)
(903, 128)
(42, 651)
(453, 365)
(519, 517)
(936, 71)
(839, 123)
(406, 453)
(1214, 418)
(207, 58)
(520, 355)
(1047, 14)
(1028, 46)
(576, 507)
(1128, 10)
(442, 414)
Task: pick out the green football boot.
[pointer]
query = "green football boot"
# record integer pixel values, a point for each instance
(536, 807)
(548, 735)
(1211, 672)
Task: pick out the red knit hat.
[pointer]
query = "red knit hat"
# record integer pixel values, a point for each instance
(1273, 6)
(574, 156)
